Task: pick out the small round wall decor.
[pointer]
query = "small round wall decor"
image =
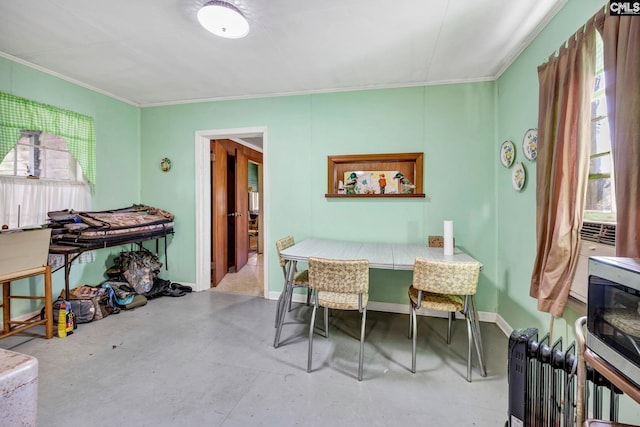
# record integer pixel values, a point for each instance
(518, 176)
(530, 144)
(165, 164)
(507, 154)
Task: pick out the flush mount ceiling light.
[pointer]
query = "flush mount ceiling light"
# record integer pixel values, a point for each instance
(223, 19)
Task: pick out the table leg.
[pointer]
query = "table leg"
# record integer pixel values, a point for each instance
(478, 337)
(279, 306)
(48, 303)
(166, 256)
(67, 271)
(286, 294)
(281, 314)
(282, 298)
(6, 308)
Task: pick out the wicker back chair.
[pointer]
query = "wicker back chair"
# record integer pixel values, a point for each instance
(437, 241)
(450, 287)
(340, 285)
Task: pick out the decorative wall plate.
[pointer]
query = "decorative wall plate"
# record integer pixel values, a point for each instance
(165, 164)
(530, 144)
(507, 154)
(518, 177)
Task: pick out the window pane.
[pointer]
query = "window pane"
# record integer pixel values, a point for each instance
(600, 142)
(53, 142)
(600, 165)
(6, 166)
(58, 162)
(598, 107)
(599, 195)
(43, 155)
(57, 165)
(24, 165)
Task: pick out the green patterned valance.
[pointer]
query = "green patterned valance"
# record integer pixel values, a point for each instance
(17, 114)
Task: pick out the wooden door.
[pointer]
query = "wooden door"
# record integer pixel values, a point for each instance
(219, 208)
(242, 209)
(230, 217)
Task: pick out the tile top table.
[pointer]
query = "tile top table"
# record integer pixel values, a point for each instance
(385, 256)
(404, 255)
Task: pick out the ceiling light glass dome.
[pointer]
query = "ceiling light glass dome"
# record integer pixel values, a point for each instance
(223, 19)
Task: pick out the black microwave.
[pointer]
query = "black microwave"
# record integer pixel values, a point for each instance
(613, 313)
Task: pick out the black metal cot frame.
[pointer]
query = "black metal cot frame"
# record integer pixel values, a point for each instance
(71, 250)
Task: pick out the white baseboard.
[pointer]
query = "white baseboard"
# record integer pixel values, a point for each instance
(503, 325)
(484, 316)
(388, 307)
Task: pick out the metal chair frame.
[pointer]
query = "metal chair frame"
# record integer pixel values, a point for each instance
(287, 294)
(470, 313)
(318, 263)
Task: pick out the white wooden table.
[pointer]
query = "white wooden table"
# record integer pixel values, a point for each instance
(385, 256)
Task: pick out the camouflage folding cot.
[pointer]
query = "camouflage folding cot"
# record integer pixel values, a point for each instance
(137, 221)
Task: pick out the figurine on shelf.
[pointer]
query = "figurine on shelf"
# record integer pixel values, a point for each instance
(382, 182)
(350, 185)
(405, 186)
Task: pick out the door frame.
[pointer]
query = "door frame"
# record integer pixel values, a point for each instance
(203, 197)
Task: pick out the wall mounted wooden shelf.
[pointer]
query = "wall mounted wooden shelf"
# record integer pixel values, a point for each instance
(409, 164)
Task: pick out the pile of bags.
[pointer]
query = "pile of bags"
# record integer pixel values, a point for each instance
(138, 272)
(133, 280)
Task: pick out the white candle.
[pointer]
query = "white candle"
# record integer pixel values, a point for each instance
(448, 237)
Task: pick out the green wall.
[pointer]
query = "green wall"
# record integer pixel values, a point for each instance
(517, 111)
(453, 125)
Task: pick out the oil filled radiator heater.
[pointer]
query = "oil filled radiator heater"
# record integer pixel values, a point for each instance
(543, 389)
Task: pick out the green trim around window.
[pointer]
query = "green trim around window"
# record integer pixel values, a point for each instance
(17, 114)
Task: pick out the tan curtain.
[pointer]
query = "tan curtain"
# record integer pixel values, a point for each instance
(621, 45)
(562, 167)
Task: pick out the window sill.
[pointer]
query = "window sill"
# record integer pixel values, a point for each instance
(577, 305)
(23, 179)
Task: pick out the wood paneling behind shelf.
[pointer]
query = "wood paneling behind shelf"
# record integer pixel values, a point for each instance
(409, 164)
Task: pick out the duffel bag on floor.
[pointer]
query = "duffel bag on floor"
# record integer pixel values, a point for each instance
(89, 303)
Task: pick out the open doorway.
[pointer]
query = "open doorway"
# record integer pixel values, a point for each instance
(254, 139)
(231, 163)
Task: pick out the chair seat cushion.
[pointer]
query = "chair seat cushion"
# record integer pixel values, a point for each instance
(442, 302)
(341, 301)
(301, 278)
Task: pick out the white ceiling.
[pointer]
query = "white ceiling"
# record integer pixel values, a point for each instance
(154, 52)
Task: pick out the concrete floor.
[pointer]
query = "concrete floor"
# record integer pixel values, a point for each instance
(207, 359)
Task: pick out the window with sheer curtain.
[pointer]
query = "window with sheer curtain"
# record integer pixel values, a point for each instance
(37, 176)
(47, 163)
(47, 160)
(20, 114)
